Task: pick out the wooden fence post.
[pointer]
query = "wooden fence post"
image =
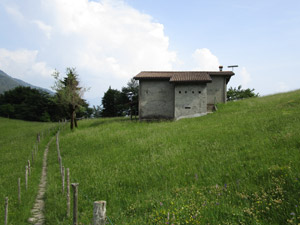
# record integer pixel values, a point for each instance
(38, 138)
(99, 213)
(28, 167)
(26, 177)
(32, 156)
(19, 190)
(6, 211)
(57, 145)
(68, 192)
(60, 165)
(75, 203)
(63, 179)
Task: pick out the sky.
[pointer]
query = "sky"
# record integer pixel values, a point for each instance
(110, 41)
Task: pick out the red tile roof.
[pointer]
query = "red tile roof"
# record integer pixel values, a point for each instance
(191, 77)
(182, 76)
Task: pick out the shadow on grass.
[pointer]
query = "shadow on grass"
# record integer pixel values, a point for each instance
(112, 120)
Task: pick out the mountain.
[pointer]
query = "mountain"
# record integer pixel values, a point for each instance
(7, 83)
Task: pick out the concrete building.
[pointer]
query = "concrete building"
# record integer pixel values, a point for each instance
(175, 95)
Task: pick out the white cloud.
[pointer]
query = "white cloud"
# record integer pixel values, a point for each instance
(245, 77)
(107, 41)
(23, 64)
(44, 27)
(14, 12)
(205, 60)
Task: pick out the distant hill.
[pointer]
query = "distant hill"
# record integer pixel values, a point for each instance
(7, 83)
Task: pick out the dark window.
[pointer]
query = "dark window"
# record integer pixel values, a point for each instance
(199, 92)
(185, 92)
(193, 92)
(179, 92)
(187, 107)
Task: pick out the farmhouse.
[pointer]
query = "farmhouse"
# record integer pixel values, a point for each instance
(176, 95)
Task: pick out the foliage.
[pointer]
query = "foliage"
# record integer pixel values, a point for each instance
(112, 103)
(132, 93)
(121, 103)
(239, 165)
(69, 94)
(26, 103)
(239, 93)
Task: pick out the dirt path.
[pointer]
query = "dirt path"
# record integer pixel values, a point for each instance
(38, 217)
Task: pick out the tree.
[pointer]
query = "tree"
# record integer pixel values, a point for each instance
(27, 104)
(131, 91)
(112, 103)
(69, 93)
(239, 93)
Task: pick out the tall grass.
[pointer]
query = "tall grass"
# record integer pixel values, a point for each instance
(239, 165)
(17, 142)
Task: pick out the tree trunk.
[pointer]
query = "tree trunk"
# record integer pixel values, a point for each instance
(72, 118)
(75, 120)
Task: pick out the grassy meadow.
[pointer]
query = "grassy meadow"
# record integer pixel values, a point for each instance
(17, 141)
(239, 165)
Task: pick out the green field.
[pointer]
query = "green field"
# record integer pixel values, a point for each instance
(239, 165)
(17, 142)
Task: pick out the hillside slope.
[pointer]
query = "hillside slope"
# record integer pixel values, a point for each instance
(7, 83)
(239, 165)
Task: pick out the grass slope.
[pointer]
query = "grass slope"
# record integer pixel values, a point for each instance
(239, 165)
(17, 142)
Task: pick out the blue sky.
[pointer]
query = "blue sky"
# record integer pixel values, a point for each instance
(110, 41)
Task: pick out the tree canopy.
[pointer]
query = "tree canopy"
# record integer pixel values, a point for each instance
(28, 104)
(69, 94)
(239, 93)
(121, 103)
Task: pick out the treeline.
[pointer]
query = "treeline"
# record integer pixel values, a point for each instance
(31, 104)
(26, 103)
(119, 103)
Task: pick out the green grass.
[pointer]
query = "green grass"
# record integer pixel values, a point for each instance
(239, 165)
(17, 141)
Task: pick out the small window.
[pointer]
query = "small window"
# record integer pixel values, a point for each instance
(179, 92)
(187, 107)
(193, 92)
(199, 92)
(185, 92)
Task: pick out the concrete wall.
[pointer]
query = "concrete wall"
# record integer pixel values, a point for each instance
(156, 99)
(216, 90)
(190, 100)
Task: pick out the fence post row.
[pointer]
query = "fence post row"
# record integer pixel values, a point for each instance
(26, 177)
(99, 213)
(28, 167)
(6, 211)
(63, 179)
(75, 204)
(60, 165)
(68, 192)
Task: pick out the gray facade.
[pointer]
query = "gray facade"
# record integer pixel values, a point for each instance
(216, 90)
(176, 95)
(156, 99)
(190, 100)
